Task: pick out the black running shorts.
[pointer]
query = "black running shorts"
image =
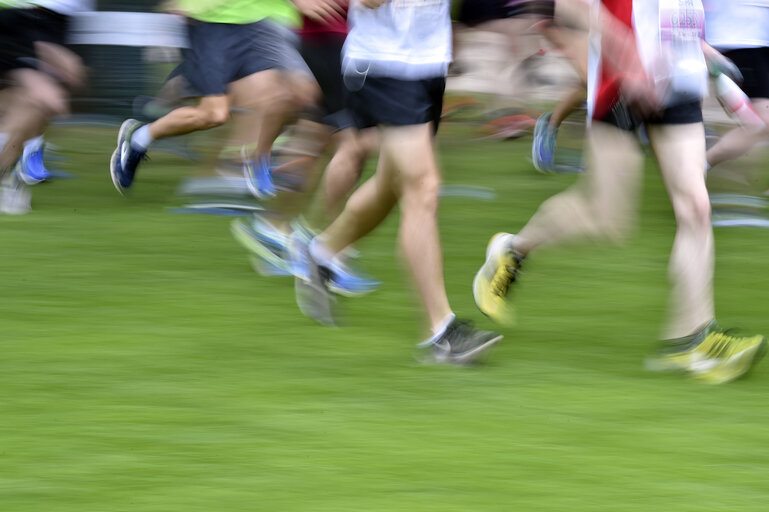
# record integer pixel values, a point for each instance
(375, 100)
(754, 66)
(685, 113)
(323, 55)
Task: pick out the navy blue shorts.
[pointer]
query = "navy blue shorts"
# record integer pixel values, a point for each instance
(375, 100)
(221, 53)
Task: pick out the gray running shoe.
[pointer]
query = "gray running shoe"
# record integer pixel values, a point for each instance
(461, 343)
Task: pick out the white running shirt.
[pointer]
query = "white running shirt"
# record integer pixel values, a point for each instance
(404, 39)
(731, 24)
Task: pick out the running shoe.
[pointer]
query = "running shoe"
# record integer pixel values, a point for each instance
(125, 159)
(313, 295)
(343, 279)
(15, 197)
(492, 282)
(32, 167)
(267, 243)
(258, 174)
(266, 269)
(543, 145)
(461, 343)
(712, 355)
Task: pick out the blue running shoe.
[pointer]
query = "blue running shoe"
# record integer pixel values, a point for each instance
(345, 281)
(258, 175)
(125, 159)
(342, 279)
(543, 146)
(32, 167)
(269, 246)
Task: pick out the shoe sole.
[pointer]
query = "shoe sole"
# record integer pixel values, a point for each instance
(116, 154)
(477, 293)
(264, 269)
(469, 356)
(244, 236)
(313, 298)
(113, 171)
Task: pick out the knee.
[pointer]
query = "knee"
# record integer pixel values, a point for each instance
(213, 117)
(422, 192)
(692, 210)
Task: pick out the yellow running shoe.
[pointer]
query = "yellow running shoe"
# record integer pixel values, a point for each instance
(492, 282)
(722, 357)
(711, 355)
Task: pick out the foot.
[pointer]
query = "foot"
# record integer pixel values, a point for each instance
(125, 159)
(264, 242)
(712, 355)
(344, 280)
(258, 174)
(313, 293)
(15, 198)
(461, 343)
(492, 282)
(543, 145)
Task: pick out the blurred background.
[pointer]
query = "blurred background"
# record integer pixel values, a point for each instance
(146, 366)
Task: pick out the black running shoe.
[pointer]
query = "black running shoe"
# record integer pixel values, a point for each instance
(461, 343)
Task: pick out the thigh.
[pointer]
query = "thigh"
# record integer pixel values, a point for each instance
(615, 164)
(680, 153)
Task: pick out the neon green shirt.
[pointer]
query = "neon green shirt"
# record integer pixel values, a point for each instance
(241, 12)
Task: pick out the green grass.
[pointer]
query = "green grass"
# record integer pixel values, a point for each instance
(145, 367)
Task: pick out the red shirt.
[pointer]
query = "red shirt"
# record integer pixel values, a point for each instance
(311, 28)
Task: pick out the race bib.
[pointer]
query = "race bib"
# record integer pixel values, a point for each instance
(681, 30)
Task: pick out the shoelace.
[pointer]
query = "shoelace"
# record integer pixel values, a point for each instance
(504, 276)
(721, 344)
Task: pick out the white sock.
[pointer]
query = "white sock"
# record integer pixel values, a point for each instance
(438, 330)
(321, 253)
(141, 138)
(33, 144)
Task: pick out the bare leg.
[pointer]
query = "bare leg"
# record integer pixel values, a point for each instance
(680, 151)
(738, 141)
(411, 151)
(344, 170)
(602, 204)
(32, 100)
(210, 112)
(367, 207)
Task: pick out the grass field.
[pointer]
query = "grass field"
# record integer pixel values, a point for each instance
(146, 367)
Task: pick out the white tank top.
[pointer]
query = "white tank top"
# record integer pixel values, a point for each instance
(669, 35)
(405, 39)
(733, 24)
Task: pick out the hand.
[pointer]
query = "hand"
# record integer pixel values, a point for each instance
(640, 94)
(718, 64)
(323, 11)
(372, 4)
(61, 62)
(171, 7)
